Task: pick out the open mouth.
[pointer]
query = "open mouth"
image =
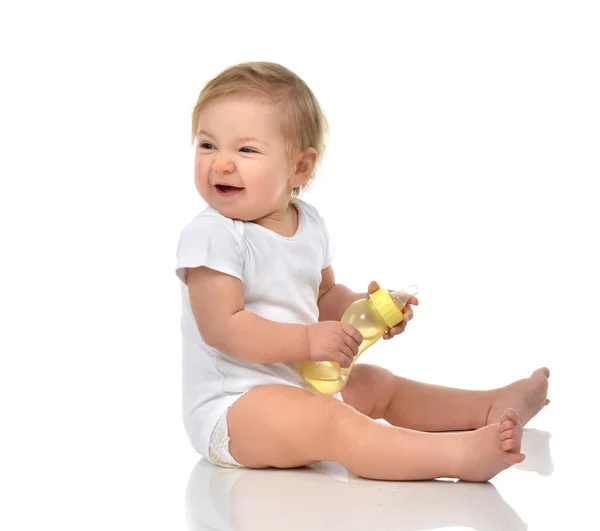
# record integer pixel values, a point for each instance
(225, 190)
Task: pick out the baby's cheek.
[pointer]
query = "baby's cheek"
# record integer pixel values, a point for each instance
(200, 169)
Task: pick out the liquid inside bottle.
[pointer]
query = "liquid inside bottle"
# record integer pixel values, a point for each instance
(328, 377)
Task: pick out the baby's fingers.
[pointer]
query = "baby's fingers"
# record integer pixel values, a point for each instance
(398, 329)
(373, 287)
(348, 356)
(355, 338)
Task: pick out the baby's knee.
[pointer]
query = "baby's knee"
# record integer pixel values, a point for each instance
(369, 389)
(337, 423)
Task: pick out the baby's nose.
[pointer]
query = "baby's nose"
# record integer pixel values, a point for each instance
(223, 164)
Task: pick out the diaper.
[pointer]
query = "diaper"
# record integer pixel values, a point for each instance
(219, 445)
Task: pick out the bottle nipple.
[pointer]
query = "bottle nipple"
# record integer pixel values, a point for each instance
(401, 297)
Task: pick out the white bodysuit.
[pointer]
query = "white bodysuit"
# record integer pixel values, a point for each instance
(281, 278)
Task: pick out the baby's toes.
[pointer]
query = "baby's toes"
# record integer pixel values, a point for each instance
(512, 458)
(507, 436)
(508, 445)
(510, 431)
(510, 414)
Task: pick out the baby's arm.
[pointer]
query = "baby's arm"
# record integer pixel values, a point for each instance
(334, 298)
(217, 302)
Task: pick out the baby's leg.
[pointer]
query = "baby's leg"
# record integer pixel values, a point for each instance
(285, 427)
(379, 393)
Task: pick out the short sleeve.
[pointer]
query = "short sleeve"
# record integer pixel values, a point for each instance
(329, 248)
(212, 242)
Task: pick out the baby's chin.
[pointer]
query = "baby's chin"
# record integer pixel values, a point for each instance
(233, 212)
(239, 209)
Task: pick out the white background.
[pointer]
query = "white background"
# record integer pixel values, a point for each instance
(463, 157)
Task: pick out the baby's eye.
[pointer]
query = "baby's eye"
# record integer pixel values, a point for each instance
(250, 150)
(205, 145)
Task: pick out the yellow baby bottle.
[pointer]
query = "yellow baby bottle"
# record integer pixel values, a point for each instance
(372, 316)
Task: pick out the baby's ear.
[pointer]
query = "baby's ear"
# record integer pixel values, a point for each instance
(304, 164)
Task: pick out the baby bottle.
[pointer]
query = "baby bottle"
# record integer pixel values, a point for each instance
(372, 316)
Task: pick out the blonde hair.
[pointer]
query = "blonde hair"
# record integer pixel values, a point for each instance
(303, 125)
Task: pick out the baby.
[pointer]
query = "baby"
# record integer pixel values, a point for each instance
(259, 297)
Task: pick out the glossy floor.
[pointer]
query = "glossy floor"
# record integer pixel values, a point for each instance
(327, 497)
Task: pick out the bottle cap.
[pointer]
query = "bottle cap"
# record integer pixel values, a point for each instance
(387, 308)
(390, 305)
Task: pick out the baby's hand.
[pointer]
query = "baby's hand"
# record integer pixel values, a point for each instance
(407, 312)
(333, 341)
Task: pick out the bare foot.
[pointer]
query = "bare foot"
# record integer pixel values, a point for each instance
(527, 397)
(492, 449)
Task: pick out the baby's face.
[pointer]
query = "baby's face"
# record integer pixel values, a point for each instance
(239, 144)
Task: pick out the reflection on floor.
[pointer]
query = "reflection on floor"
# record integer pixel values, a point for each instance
(325, 496)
